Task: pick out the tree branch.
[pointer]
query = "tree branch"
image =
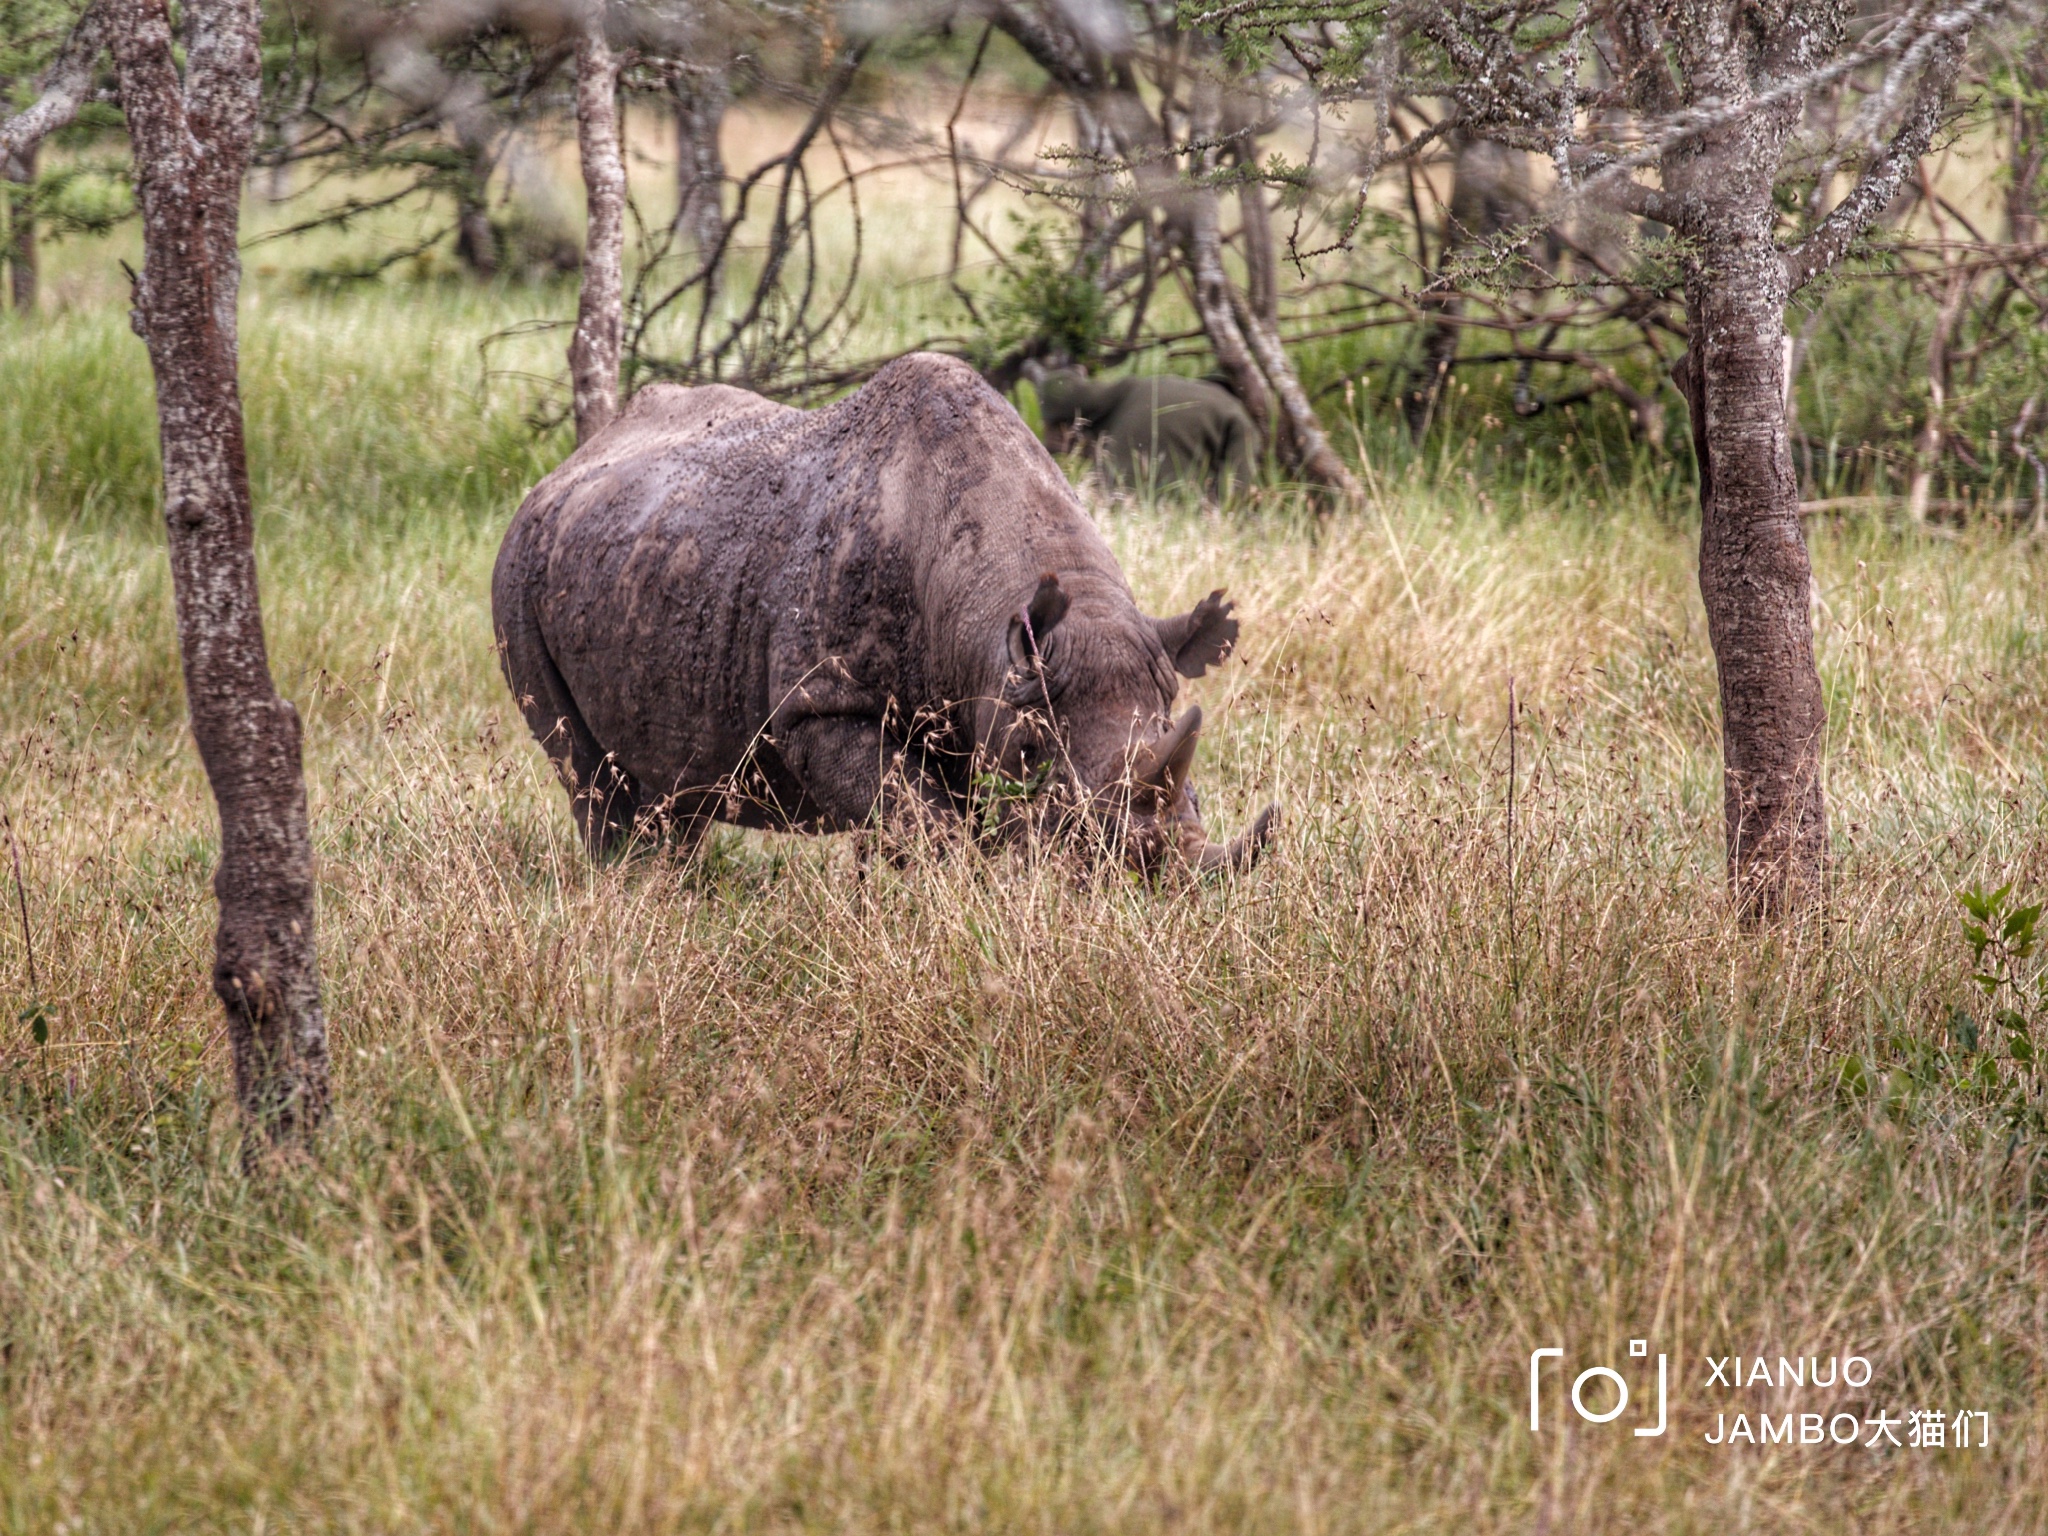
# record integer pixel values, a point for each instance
(1882, 178)
(1632, 197)
(66, 86)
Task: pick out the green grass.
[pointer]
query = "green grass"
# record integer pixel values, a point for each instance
(751, 1195)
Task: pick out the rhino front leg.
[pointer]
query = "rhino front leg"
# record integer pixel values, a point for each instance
(855, 773)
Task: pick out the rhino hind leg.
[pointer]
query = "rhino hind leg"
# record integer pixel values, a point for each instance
(603, 797)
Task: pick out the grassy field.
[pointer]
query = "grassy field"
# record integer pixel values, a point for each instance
(749, 1195)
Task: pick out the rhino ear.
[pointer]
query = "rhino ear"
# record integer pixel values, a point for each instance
(1199, 638)
(1030, 626)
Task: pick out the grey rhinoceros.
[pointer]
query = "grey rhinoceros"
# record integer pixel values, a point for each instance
(720, 608)
(1153, 427)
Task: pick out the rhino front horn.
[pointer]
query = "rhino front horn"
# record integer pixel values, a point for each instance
(1163, 766)
(1241, 852)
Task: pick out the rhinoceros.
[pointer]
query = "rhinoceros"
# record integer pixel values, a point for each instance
(891, 611)
(1154, 426)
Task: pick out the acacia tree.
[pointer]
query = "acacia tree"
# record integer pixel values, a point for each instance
(190, 133)
(1690, 114)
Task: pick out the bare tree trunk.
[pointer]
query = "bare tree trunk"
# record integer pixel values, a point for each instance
(1202, 240)
(1439, 352)
(1261, 260)
(277, 186)
(1260, 322)
(1312, 451)
(1440, 335)
(594, 349)
(1099, 79)
(701, 100)
(191, 147)
(22, 262)
(2027, 138)
(476, 242)
(1754, 573)
(1490, 193)
(1259, 318)
(1251, 355)
(1933, 435)
(401, 64)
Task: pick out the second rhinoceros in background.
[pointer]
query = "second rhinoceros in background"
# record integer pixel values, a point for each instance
(1152, 428)
(725, 609)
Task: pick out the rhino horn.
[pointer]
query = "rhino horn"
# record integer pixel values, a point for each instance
(1242, 851)
(1163, 766)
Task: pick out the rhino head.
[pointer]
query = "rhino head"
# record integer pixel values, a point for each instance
(1085, 719)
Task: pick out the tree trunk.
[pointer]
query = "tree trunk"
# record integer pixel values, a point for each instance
(1261, 260)
(594, 349)
(1440, 334)
(2027, 140)
(1318, 461)
(22, 265)
(1754, 573)
(1932, 437)
(701, 101)
(476, 242)
(1251, 355)
(191, 147)
(1439, 351)
(1202, 243)
(1260, 322)
(277, 186)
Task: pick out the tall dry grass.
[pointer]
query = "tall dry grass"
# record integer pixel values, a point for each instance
(749, 1194)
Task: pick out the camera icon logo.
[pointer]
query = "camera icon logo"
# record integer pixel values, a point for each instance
(1639, 1349)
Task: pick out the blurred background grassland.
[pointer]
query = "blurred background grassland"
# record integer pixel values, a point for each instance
(750, 1194)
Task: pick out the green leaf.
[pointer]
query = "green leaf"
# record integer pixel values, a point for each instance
(1962, 1028)
(2022, 1049)
(1978, 905)
(2019, 928)
(37, 1017)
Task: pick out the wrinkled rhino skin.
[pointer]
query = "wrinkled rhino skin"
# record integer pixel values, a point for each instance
(725, 609)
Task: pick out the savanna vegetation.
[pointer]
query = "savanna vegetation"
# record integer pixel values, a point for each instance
(991, 1193)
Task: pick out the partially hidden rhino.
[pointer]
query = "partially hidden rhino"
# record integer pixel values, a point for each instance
(1155, 427)
(879, 612)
